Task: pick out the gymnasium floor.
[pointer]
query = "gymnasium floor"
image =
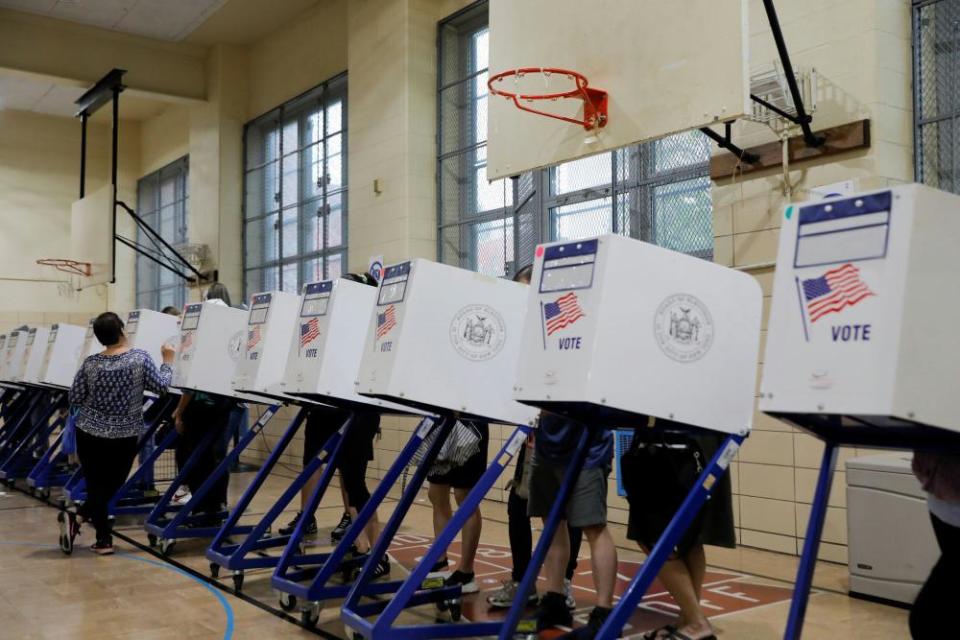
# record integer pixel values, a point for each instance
(44, 594)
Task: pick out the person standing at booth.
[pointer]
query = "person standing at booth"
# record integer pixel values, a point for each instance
(107, 395)
(556, 441)
(932, 613)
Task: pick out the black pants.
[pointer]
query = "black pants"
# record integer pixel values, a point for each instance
(932, 614)
(356, 451)
(106, 464)
(199, 419)
(521, 538)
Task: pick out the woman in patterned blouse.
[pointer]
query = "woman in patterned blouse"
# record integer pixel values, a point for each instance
(107, 395)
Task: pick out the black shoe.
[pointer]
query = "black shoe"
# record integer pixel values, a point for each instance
(598, 616)
(382, 568)
(552, 611)
(311, 528)
(341, 529)
(440, 566)
(467, 581)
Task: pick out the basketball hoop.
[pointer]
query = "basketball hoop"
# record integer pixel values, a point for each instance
(66, 265)
(594, 100)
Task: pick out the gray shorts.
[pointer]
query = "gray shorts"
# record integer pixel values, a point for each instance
(588, 501)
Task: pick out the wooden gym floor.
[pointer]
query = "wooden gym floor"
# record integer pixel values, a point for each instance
(136, 594)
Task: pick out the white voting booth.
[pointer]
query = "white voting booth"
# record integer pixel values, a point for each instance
(617, 328)
(62, 355)
(865, 309)
(446, 338)
(13, 361)
(328, 344)
(33, 354)
(90, 344)
(210, 346)
(271, 322)
(150, 330)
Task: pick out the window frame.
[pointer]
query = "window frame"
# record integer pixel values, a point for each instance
(152, 297)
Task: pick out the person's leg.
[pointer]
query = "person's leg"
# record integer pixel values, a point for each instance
(603, 561)
(576, 538)
(696, 561)
(521, 538)
(931, 613)
(557, 556)
(94, 463)
(121, 453)
(470, 535)
(677, 579)
(439, 495)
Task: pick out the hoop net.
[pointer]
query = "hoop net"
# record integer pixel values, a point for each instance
(594, 100)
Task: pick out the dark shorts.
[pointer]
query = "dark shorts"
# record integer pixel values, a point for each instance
(355, 451)
(587, 506)
(467, 475)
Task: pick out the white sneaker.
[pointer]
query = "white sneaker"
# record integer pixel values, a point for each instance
(571, 601)
(182, 496)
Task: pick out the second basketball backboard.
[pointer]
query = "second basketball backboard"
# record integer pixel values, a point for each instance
(667, 66)
(92, 235)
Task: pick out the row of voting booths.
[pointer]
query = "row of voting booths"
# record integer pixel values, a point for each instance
(612, 332)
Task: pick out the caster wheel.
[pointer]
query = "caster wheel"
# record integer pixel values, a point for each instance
(43, 494)
(288, 602)
(456, 611)
(443, 605)
(214, 570)
(238, 580)
(310, 617)
(167, 546)
(152, 539)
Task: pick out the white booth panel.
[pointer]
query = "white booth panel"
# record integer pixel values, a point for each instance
(446, 339)
(326, 349)
(63, 354)
(13, 357)
(90, 344)
(617, 330)
(34, 354)
(270, 324)
(3, 356)
(150, 330)
(862, 321)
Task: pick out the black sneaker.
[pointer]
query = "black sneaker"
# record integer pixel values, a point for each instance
(439, 567)
(311, 528)
(552, 611)
(382, 568)
(341, 529)
(467, 582)
(598, 616)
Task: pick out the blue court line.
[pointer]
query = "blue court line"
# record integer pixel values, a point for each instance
(227, 609)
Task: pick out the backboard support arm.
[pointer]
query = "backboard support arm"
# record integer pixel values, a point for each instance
(176, 258)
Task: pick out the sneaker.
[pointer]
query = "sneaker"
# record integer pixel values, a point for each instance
(467, 582)
(439, 568)
(102, 548)
(598, 616)
(341, 529)
(553, 612)
(182, 496)
(382, 568)
(311, 528)
(571, 601)
(503, 597)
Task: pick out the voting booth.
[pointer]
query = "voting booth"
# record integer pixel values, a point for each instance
(618, 329)
(90, 344)
(865, 309)
(13, 361)
(271, 322)
(3, 356)
(150, 330)
(447, 339)
(210, 345)
(62, 354)
(328, 343)
(34, 354)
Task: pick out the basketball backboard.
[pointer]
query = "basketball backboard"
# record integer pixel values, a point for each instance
(91, 235)
(667, 67)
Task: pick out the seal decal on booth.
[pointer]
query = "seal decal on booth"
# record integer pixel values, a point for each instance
(683, 327)
(478, 332)
(235, 345)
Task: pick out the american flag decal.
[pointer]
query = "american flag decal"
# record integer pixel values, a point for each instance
(563, 312)
(309, 332)
(253, 337)
(386, 321)
(834, 291)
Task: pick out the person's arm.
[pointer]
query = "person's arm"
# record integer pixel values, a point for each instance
(78, 391)
(157, 380)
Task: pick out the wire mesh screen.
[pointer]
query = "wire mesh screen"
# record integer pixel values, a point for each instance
(936, 47)
(659, 191)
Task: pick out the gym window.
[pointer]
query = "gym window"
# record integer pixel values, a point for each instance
(936, 77)
(162, 200)
(658, 191)
(295, 191)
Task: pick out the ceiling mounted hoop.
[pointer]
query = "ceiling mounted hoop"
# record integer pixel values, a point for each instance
(594, 100)
(66, 265)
